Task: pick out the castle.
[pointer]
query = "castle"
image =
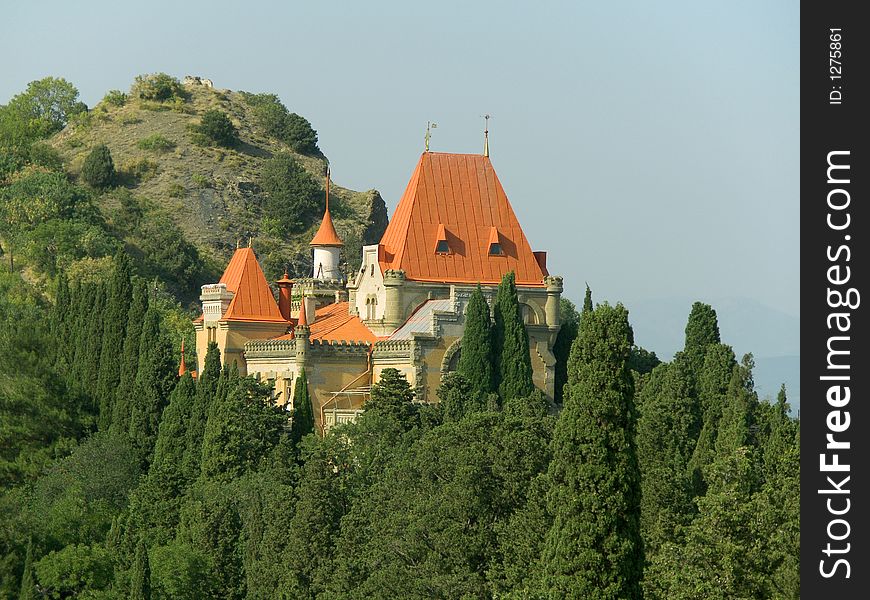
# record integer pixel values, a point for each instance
(453, 228)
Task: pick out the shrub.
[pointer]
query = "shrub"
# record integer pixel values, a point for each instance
(115, 98)
(98, 170)
(156, 143)
(218, 128)
(157, 86)
(176, 190)
(276, 121)
(140, 169)
(45, 156)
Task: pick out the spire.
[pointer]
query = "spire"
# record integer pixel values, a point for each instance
(486, 135)
(182, 368)
(302, 321)
(326, 235)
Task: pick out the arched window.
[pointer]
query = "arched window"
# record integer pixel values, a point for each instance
(529, 316)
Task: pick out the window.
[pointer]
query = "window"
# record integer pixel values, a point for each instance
(373, 270)
(442, 247)
(495, 249)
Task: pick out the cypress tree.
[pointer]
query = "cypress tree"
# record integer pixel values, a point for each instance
(569, 325)
(140, 582)
(130, 358)
(702, 329)
(712, 385)
(59, 315)
(170, 447)
(458, 398)
(738, 414)
(587, 301)
(155, 378)
(393, 397)
(206, 389)
(243, 426)
(91, 364)
(28, 584)
(513, 364)
(666, 435)
(475, 359)
(114, 329)
(303, 415)
(594, 548)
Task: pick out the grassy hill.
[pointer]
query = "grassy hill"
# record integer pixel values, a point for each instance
(211, 193)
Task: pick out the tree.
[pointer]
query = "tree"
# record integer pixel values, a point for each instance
(118, 299)
(299, 134)
(475, 359)
(513, 364)
(206, 390)
(28, 585)
(594, 548)
(130, 358)
(158, 86)
(243, 426)
(569, 324)
(702, 329)
(712, 385)
(140, 584)
(46, 105)
(458, 397)
(217, 126)
(98, 170)
(666, 436)
(303, 415)
(393, 397)
(155, 378)
(292, 197)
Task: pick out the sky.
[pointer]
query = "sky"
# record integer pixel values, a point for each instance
(650, 148)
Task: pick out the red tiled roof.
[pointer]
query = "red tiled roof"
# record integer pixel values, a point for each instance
(334, 324)
(462, 193)
(253, 300)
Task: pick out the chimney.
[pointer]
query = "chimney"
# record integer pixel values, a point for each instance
(285, 286)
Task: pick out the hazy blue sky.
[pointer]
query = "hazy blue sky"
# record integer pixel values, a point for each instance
(650, 147)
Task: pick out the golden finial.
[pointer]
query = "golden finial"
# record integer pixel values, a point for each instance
(486, 135)
(238, 243)
(250, 241)
(429, 126)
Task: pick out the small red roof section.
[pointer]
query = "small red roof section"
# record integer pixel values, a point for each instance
(458, 195)
(253, 300)
(326, 235)
(334, 324)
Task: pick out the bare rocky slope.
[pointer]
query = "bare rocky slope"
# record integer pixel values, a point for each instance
(210, 192)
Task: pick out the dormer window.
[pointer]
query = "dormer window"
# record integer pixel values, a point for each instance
(442, 246)
(495, 243)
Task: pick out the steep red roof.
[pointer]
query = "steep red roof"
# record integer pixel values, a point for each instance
(253, 300)
(460, 196)
(333, 323)
(326, 235)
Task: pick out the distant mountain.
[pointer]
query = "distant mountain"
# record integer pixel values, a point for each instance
(771, 335)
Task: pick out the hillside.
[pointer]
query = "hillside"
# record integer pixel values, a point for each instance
(212, 193)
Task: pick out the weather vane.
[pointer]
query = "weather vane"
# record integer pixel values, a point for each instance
(429, 126)
(486, 118)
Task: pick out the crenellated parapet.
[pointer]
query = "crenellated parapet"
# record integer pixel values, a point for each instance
(325, 348)
(270, 348)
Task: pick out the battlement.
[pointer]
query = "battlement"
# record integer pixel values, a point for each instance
(270, 348)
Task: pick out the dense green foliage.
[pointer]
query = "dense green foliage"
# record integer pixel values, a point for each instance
(475, 359)
(275, 120)
(218, 128)
(158, 86)
(293, 198)
(118, 479)
(98, 170)
(510, 344)
(594, 547)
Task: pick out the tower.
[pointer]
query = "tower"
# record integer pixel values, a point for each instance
(327, 246)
